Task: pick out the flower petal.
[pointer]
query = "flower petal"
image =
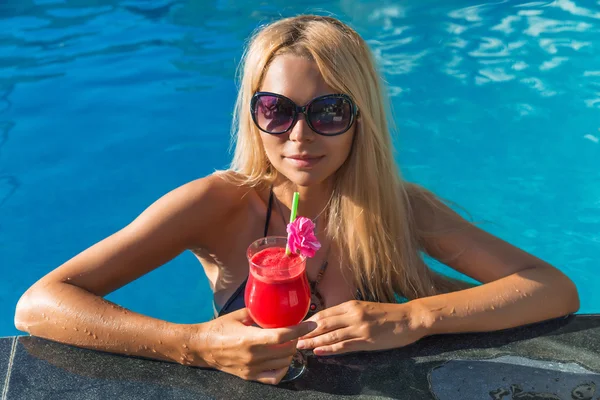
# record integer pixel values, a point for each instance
(301, 237)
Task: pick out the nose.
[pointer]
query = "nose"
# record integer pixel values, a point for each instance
(301, 132)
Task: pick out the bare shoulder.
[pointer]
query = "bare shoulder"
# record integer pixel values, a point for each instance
(208, 201)
(429, 212)
(213, 190)
(460, 244)
(186, 217)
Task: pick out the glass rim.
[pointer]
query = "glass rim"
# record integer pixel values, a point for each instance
(301, 258)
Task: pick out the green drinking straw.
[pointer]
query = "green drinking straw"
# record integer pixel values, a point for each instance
(295, 201)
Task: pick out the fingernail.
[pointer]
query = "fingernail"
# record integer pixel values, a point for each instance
(301, 344)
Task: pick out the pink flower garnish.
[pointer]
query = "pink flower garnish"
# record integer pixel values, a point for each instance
(301, 237)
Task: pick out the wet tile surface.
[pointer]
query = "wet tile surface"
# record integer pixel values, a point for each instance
(557, 359)
(5, 351)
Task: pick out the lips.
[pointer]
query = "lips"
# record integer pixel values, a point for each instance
(303, 160)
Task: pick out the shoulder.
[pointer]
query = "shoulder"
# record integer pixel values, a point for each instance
(216, 190)
(423, 205)
(430, 214)
(462, 245)
(203, 203)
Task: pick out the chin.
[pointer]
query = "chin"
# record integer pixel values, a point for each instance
(304, 178)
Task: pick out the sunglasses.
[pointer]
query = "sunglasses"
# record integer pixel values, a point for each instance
(329, 115)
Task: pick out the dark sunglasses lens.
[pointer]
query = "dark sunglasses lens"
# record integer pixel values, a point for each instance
(330, 115)
(273, 114)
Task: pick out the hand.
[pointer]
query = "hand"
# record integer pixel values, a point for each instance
(359, 326)
(233, 346)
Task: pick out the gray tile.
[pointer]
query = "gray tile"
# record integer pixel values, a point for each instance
(513, 377)
(47, 370)
(448, 366)
(6, 344)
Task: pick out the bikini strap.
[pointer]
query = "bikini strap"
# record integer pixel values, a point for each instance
(313, 284)
(269, 207)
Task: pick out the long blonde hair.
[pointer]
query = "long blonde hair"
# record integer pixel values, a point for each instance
(370, 217)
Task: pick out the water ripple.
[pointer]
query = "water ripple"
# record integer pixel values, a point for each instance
(8, 183)
(68, 12)
(572, 8)
(154, 12)
(481, 95)
(8, 187)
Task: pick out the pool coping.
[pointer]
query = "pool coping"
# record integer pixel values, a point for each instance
(565, 352)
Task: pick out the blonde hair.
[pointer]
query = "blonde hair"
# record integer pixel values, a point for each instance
(370, 216)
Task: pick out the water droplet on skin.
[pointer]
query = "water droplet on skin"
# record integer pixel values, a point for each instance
(493, 308)
(154, 350)
(517, 290)
(64, 328)
(185, 346)
(95, 337)
(76, 329)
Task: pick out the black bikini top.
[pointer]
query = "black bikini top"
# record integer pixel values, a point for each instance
(236, 301)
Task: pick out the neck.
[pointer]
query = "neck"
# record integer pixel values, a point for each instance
(313, 199)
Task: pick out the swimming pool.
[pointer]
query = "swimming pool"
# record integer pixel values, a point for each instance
(107, 105)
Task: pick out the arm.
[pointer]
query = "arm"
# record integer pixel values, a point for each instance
(67, 305)
(517, 288)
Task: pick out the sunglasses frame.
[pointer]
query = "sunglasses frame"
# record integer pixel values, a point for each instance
(302, 110)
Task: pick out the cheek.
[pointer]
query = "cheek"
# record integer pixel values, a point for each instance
(271, 145)
(344, 146)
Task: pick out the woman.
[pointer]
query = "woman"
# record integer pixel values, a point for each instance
(337, 153)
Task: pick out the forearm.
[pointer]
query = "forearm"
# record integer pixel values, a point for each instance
(532, 295)
(68, 314)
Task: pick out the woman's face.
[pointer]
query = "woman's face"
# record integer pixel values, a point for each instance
(301, 155)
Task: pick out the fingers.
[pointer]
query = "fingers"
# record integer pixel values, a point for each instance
(271, 377)
(275, 364)
(340, 309)
(241, 315)
(261, 352)
(283, 335)
(329, 338)
(270, 372)
(325, 325)
(346, 346)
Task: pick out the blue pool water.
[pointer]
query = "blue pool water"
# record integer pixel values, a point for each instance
(107, 105)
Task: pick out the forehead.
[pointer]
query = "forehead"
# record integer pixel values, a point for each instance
(295, 77)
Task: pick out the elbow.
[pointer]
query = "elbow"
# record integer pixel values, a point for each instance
(573, 302)
(27, 309)
(22, 311)
(569, 294)
(562, 290)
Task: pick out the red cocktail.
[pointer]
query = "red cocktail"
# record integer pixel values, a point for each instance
(277, 293)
